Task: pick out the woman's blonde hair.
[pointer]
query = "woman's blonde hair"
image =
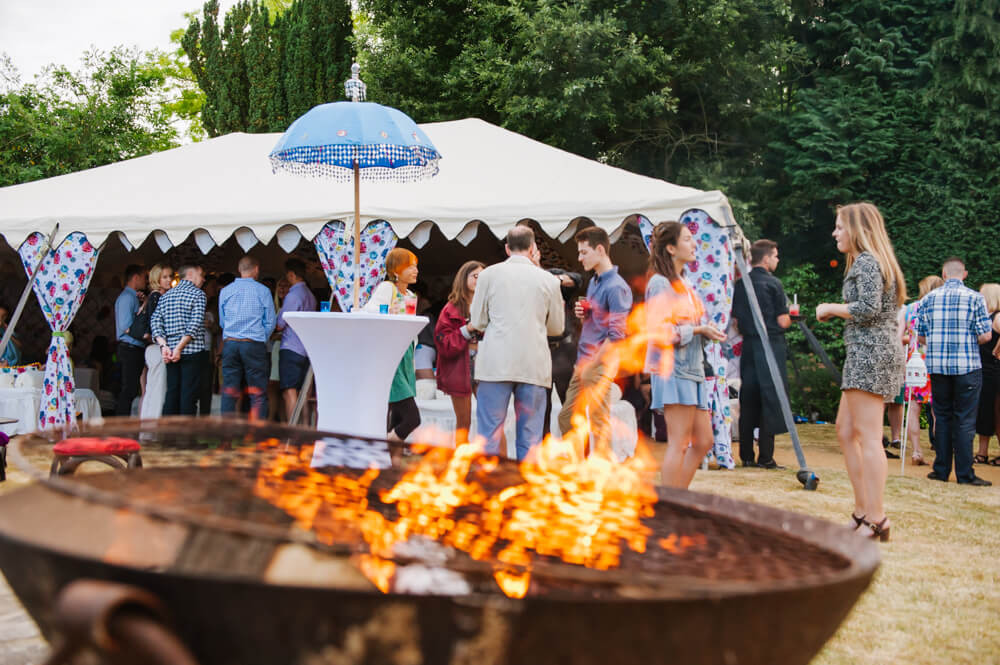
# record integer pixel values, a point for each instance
(866, 233)
(928, 284)
(156, 272)
(397, 261)
(991, 292)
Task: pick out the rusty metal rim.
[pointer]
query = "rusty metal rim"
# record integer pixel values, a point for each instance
(862, 554)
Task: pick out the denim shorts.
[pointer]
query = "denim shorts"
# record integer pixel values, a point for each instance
(291, 369)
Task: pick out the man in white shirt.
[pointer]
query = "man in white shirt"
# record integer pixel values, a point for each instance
(516, 306)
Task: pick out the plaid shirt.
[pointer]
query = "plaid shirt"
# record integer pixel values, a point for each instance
(181, 311)
(246, 310)
(951, 319)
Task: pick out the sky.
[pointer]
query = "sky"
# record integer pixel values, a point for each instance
(35, 33)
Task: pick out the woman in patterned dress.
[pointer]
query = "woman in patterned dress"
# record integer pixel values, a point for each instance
(922, 395)
(874, 290)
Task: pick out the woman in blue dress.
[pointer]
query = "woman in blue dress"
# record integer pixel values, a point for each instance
(675, 320)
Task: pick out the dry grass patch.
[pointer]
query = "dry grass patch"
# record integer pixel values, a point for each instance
(936, 596)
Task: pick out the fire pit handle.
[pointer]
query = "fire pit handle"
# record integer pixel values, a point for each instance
(126, 624)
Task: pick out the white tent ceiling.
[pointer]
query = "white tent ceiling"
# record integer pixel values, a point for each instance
(223, 186)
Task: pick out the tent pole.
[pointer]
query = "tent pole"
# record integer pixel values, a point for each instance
(357, 237)
(16, 316)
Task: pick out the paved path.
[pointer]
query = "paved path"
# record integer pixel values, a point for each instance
(20, 641)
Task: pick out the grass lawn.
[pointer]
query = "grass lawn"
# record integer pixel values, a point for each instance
(936, 597)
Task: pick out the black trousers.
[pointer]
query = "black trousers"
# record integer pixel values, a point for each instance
(403, 418)
(956, 401)
(207, 383)
(183, 381)
(759, 405)
(133, 359)
(563, 362)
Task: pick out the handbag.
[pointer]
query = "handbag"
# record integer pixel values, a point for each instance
(141, 323)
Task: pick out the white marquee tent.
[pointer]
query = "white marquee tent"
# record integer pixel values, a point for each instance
(224, 186)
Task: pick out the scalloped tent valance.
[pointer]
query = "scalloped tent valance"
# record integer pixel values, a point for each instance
(224, 186)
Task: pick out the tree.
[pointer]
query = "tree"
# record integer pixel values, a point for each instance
(655, 87)
(112, 109)
(269, 62)
(900, 109)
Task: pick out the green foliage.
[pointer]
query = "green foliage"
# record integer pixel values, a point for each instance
(813, 388)
(269, 62)
(114, 108)
(650, 86)
(901, 109)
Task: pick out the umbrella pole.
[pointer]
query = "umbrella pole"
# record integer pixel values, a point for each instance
(357, 237)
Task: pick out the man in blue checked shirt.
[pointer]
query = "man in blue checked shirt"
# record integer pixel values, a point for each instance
(953, 322)
(246, 314)
(178, 328)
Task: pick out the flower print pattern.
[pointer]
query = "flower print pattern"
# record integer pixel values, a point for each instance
(60, 286)
(712, 278)
(335, 247)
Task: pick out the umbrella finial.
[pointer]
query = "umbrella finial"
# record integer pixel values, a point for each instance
(354, 87)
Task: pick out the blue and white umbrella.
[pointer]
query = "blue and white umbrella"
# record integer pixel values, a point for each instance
(356, 140)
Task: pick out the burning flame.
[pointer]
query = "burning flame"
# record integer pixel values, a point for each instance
(576, 507)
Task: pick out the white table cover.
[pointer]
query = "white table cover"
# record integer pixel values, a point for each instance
(24, 403)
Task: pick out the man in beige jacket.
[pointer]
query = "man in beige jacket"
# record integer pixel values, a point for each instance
(516, 305)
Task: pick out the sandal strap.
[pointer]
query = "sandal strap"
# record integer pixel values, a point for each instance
(878, 528)
(858, 520)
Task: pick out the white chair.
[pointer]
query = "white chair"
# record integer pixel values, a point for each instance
(86, 377)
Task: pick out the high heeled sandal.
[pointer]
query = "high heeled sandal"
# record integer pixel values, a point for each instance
(858, 521)
(879, 530)
(916, 459)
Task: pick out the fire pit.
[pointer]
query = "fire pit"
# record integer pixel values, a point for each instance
(444, 558)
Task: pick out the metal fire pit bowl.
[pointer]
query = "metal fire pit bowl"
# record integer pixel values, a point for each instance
(241, 583)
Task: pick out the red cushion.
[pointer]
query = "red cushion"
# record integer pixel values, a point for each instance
(111, 445)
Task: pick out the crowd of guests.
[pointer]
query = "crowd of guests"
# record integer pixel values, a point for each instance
(513, 331)
(188, 334)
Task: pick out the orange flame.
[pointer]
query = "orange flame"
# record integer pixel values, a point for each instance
(379, 571)
(569, 505)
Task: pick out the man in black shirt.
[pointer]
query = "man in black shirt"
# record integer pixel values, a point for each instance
(759, 405)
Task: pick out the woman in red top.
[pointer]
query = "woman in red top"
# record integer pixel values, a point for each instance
(454, 342)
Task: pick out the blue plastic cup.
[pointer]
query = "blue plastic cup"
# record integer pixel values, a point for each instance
(383, 309)
(324, 305)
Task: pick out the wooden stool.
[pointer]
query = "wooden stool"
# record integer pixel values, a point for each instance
(116, 452)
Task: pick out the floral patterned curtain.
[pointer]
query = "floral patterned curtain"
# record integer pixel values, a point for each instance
(335, 246)
(711, 275)
(61, 285)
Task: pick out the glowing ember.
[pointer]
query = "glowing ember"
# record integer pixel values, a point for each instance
(514, 585)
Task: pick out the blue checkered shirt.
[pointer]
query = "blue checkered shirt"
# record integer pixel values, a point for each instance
(246, 310)
(951, 318)
(181, 311)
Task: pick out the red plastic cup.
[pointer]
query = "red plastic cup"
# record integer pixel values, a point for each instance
(793, 309)
(410, 303)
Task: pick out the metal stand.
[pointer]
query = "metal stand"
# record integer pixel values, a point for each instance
(804, 475)
(303, 396)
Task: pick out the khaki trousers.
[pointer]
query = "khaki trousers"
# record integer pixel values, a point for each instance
(589, 395)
